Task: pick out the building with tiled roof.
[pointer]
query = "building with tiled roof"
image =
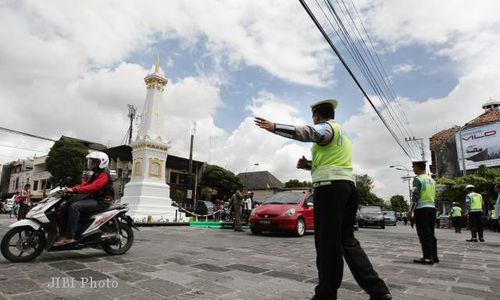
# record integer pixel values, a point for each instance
(443, 145)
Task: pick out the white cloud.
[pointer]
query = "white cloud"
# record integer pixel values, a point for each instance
(405, 68)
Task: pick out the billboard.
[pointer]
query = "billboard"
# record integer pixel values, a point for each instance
(479, 146)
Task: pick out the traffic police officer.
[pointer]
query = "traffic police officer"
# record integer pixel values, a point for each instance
(476, 206)
(423, 197)
(456, 217)
(335, 202)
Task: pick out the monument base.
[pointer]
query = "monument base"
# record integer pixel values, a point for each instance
(148, 202)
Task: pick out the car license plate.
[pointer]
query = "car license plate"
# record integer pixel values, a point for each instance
(265, 222)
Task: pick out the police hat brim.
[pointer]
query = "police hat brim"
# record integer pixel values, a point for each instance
(333, 102)
(418, 161)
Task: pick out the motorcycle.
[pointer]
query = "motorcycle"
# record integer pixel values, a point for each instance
(109, 230)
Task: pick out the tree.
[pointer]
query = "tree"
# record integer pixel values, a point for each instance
(398, 203)
(294, 183)
(364, 185)
(484, 179)
(66, 159)
(224, 181)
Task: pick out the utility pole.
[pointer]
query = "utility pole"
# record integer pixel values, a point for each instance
(131, 115)
(190, 188)
(421, 140)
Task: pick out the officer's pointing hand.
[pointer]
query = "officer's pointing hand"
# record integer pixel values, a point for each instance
(264, 124)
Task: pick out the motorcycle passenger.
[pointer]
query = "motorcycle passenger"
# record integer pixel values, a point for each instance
(99, 186)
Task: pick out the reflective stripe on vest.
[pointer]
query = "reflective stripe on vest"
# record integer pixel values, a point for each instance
(427, 191)
(334, 160)
(476, 202)
(456, 211)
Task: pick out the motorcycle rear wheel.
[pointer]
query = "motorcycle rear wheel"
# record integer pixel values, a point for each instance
(120, 248)
(21, 244)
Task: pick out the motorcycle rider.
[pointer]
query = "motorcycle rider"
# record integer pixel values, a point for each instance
(99, 186)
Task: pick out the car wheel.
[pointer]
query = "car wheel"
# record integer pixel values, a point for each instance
(382, 226)
(300, 227)
(255, 231)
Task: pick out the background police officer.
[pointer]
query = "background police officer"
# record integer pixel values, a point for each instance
(456, 217)
(335, 202)
(423, 197)
(476, 205)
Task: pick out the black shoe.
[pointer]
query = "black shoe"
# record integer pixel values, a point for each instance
(435, 260)
(423, 261)
(381, 297)
(481, 240)
(472, 240)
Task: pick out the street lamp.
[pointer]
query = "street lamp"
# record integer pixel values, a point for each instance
(404, 178)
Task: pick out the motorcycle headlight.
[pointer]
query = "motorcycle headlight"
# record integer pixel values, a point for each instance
(289, 212)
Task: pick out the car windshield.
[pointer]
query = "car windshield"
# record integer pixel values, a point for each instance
(370, 210)
(285, 198)
(390, 213)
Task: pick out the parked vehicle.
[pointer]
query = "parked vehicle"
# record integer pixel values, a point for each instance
(390, 217)
(110, 230)
(371, 216)
(9, 204)
(204, 207)
(290, 211)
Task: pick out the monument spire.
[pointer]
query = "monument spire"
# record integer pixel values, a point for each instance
(148, 193)
(157, 66)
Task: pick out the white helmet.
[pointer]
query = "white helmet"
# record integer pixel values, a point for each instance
(100, 156)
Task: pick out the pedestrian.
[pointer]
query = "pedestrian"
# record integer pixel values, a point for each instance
(405, 218)
(24, 201)
(335, 202)
(423, 198)
(456, 217)
(476, 205)
(248, 205)
(237, 202)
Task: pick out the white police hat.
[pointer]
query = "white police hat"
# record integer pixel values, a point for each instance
(469, 186)
(333, 102)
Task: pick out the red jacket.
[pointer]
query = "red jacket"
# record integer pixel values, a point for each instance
(94, 187)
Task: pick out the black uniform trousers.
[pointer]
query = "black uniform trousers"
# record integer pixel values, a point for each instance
(457, 223)
(425, 218)
(476, 224)
(335, 208)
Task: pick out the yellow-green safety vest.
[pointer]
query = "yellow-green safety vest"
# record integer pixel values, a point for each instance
(334, 160)
(456, 211)
(476, 201)
(427, 194)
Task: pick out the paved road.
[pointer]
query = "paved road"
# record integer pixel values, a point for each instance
(197, 263)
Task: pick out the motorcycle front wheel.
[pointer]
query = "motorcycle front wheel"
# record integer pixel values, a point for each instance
(22, 244)
(126, 239)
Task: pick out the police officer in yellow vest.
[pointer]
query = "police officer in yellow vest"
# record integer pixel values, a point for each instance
(456, 217)
(476, 206)
(335, 202)
(423, 197)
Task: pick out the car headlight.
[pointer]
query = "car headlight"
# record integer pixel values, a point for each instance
(252, 213)
(361, 216)
(381, 217)
(289, 212)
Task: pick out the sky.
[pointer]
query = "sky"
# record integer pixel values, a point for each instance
(72, 67)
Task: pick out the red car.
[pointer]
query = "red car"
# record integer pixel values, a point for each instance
(288, 211)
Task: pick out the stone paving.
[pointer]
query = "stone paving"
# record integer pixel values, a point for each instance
(197, 263)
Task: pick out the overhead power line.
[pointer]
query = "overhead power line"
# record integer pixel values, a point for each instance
(26, 134)
(364, 68)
